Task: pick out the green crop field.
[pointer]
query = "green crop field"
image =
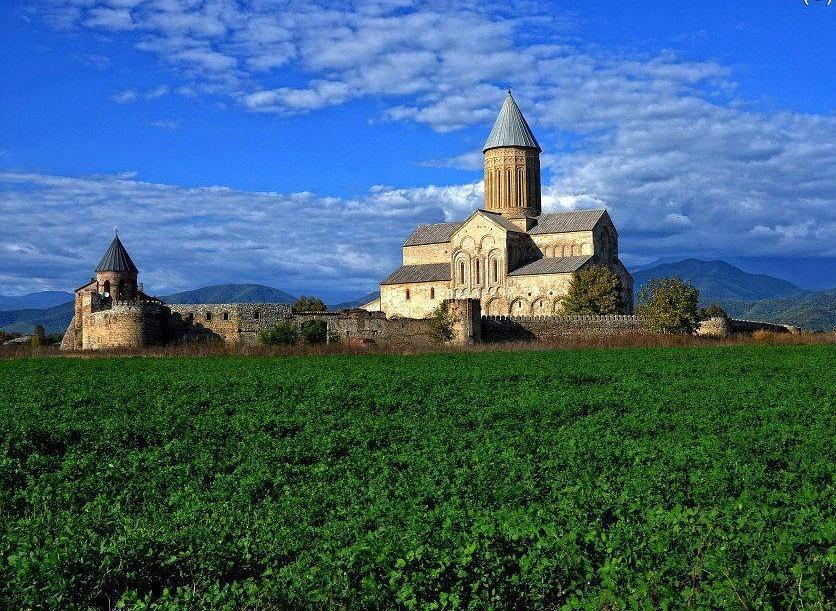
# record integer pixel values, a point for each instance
(638, 478)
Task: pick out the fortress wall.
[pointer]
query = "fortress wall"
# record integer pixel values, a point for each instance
(125, 325)
(228, 322)
(546, 328)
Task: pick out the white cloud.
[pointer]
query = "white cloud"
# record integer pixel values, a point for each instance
(125, 97)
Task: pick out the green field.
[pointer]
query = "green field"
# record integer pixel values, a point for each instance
(638, 478)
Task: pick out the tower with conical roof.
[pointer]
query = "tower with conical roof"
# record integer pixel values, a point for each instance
(512, 166)
(116, 273)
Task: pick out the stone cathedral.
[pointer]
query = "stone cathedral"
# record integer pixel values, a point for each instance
(509, 255)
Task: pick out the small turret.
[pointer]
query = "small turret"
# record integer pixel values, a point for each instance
(116, 273)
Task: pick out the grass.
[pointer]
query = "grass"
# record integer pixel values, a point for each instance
(658, 477)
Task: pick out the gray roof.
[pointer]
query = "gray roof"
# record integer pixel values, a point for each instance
(510, 128)
(564, 222)
(428, 272)
(116, 259)
(496, 216)
(432, 234)
(553, 265)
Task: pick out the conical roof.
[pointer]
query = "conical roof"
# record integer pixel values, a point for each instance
(510, 128)
(116, 259)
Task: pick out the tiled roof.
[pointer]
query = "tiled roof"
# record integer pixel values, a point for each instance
(432, 234)
(553, 265)
(510, 128)
(428, 272)
(116, 259)
(496, 216)
(564, 222)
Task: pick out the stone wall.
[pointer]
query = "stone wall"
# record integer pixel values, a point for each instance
(228, 322)
(546, 328)
(132, 324)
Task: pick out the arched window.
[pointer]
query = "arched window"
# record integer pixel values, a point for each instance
(407, 294)
(226, 316)
(208, 315)
(508, 188)
(107, 288)
(122, 291)
(495, 271)
(478, 272)
(461, 272)
(432, 293)
(520, 188)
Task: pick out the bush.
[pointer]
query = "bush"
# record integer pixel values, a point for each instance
(713, 311)
(441, 324)
(669, 305)
(308, 304)
(594, 290)
(39, 336)
(314, 331)
(761, 336)
(283, 334)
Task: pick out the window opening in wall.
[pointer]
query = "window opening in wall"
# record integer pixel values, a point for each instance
(461, 272)
(255, 315)
(208, 315)
(432, 293)
(495, 271)
(226, 315)
(107, 288)
(407, 293)
(478, 272)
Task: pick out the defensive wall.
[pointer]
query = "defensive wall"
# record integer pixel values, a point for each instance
(549, 328)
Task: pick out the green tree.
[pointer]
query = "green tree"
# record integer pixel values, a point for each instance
(282, 334)
(309, 304)
(39, 336)
(314, 331)
(713, 311)
(669, 305)
(441, 323)
(593, 290)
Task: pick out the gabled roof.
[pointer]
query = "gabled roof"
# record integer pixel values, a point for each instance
(428, 272)
(510, 128)
(552, 265)
(116, 259)
(437, 233)
(565, 222)
(501, 220)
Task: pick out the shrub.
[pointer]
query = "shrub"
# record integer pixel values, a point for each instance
(594, 290)
(669, 305)
(761, 336)
(39, 336)
(282, 334)
(713, 311)
(441, 324)
(314, 331)
(308, 304)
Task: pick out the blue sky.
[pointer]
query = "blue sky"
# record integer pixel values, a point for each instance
(296, 144)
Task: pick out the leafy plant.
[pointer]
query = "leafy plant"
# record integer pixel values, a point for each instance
(282, 334)
(441, 323)
(314, 331)
(39, 336)
(308, 304)
(669, 305)
(713, 311)
(593, 290)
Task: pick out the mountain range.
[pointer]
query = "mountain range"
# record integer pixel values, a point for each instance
(742, 294)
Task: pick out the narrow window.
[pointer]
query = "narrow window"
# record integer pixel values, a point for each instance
(226, 315)
(478, 272)
(208, 315)
(107, 288)
(432, 293)
(461, 272)
(407, 293)
(495, 271)
(255, 315)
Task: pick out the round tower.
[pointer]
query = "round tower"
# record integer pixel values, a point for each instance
(116, 273)
(512, 165)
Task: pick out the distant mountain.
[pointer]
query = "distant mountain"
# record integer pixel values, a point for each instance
(231, 293)
(35, 301)
(718, 280)
(347, 305)
(812, 311)
(54, 320)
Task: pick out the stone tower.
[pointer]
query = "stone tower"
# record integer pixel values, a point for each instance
(512, 166)
(116, 273)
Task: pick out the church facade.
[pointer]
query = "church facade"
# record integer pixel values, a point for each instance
(509, 255)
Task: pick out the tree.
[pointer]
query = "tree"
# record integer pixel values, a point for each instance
(669, 305)
(309, 304)
(441, 324)
(282, 334)
(713, 311)
(593, 290)
(314, 331)
(39, 336)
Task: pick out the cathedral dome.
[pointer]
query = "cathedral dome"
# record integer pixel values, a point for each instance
(511, 128)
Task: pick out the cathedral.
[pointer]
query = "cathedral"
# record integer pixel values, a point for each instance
(509, 255)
